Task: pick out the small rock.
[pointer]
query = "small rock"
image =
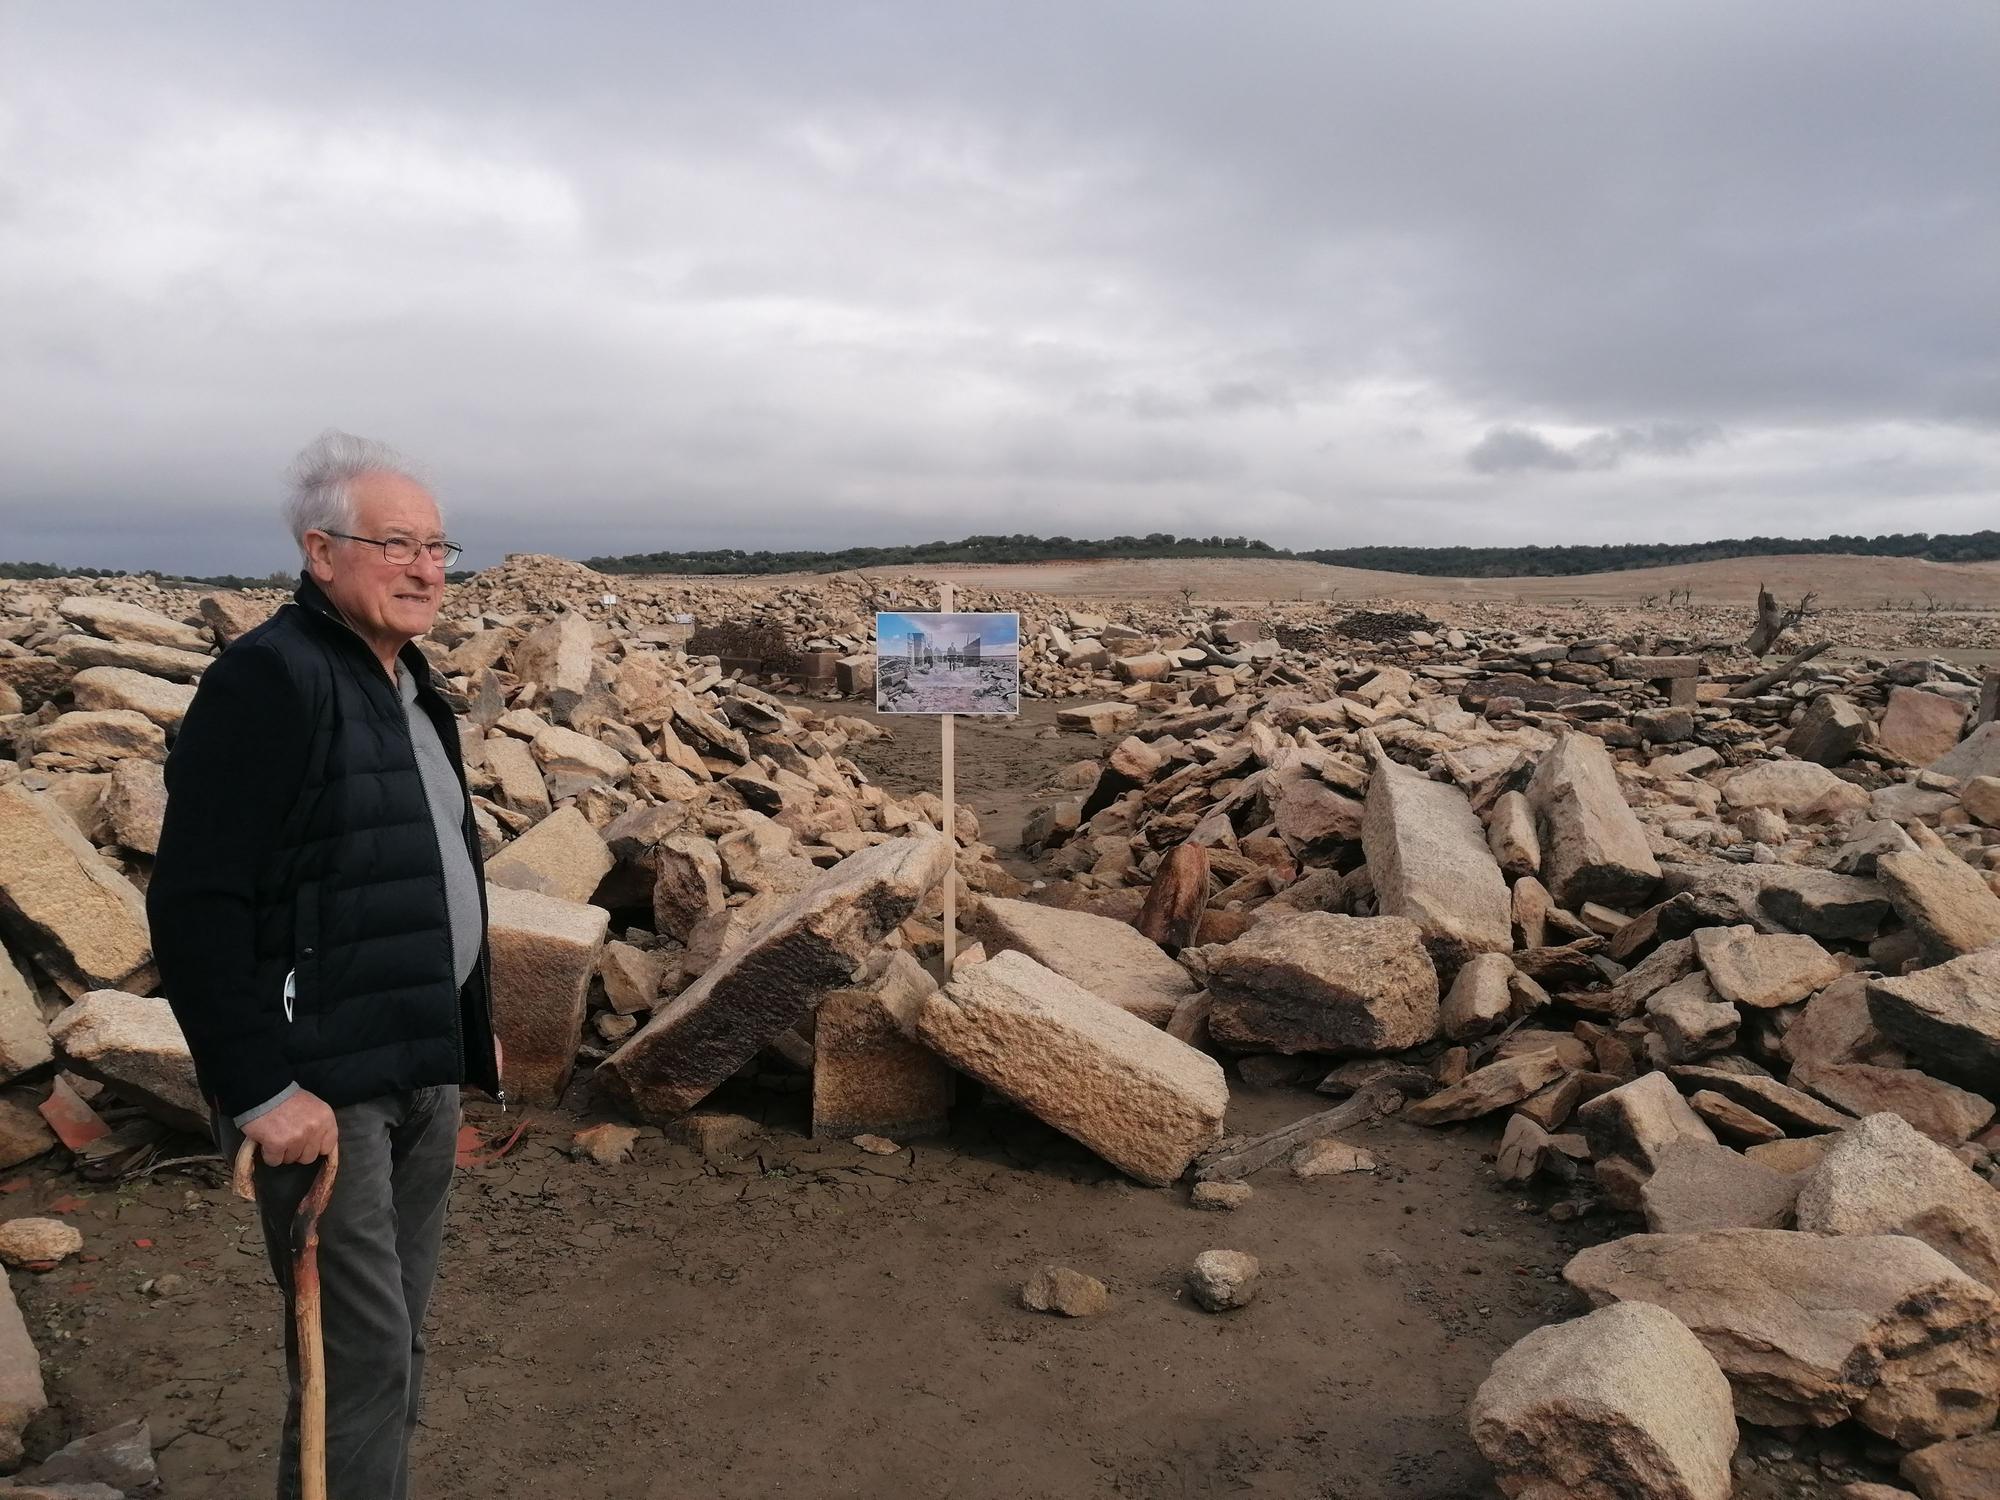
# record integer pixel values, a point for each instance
(877, 1145)
(1223, 1279)
(607, 1145)
(1328, 1158)
(1221, 1197)
(715, 1136)
(1059, 1289)
(38, 1242)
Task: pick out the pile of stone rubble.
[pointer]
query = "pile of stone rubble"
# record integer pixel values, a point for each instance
(1719, 946)
(1729, 963)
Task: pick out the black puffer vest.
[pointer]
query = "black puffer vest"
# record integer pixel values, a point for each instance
(356, 910)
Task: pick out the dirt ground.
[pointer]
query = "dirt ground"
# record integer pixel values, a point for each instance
(1003, 768)
(806, 1319)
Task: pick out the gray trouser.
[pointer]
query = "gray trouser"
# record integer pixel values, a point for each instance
(378, 1254)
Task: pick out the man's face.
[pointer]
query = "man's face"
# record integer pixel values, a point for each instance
(388, 603)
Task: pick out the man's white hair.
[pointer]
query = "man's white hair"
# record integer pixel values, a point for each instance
(322, 481)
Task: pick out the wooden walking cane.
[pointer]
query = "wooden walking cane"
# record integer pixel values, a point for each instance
(305, 1311)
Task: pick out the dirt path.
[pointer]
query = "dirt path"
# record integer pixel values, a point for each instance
(1005, 768)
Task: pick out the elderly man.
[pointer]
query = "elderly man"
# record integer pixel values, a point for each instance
(318, 910)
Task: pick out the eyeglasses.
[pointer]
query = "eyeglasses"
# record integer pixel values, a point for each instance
(402, 550)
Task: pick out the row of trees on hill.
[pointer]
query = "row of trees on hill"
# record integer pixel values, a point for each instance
(973, 549)
(1549, 562)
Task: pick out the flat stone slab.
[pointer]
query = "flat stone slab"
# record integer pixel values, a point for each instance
(1882, 1177)
(80, 651)
(165, 703)
(133, 1044)
(1799, 789)
(1593, 847)
(1978, 754)
(116, 620)
(1764, 970)
(1795, 1112)
(1428, 857)
(1492, 1087)
(63, 906)
(561, 856)
(1317, 982)
(1098, 718)
(1813, 1329)
(1142, 1100)
(1820, 903)
(1945, 901)
(1943, 1111)
(1657, 668)
(1947, 1017)
(812, 942)
(1111, 959)
(1700, 1187)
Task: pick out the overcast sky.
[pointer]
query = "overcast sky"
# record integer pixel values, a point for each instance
(631, 277)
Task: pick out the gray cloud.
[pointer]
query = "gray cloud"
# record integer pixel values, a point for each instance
(690, 275)
(1512, 450)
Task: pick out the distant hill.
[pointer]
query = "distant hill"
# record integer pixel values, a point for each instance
(1428, 562)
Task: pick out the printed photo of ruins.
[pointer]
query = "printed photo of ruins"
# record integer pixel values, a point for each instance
(948, 664)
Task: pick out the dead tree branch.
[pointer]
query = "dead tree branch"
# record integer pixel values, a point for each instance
(1773, 620)
(1777, 675)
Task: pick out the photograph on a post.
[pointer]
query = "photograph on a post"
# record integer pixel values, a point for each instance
(948, 664)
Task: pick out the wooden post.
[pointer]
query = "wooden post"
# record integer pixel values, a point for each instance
(946, 748)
